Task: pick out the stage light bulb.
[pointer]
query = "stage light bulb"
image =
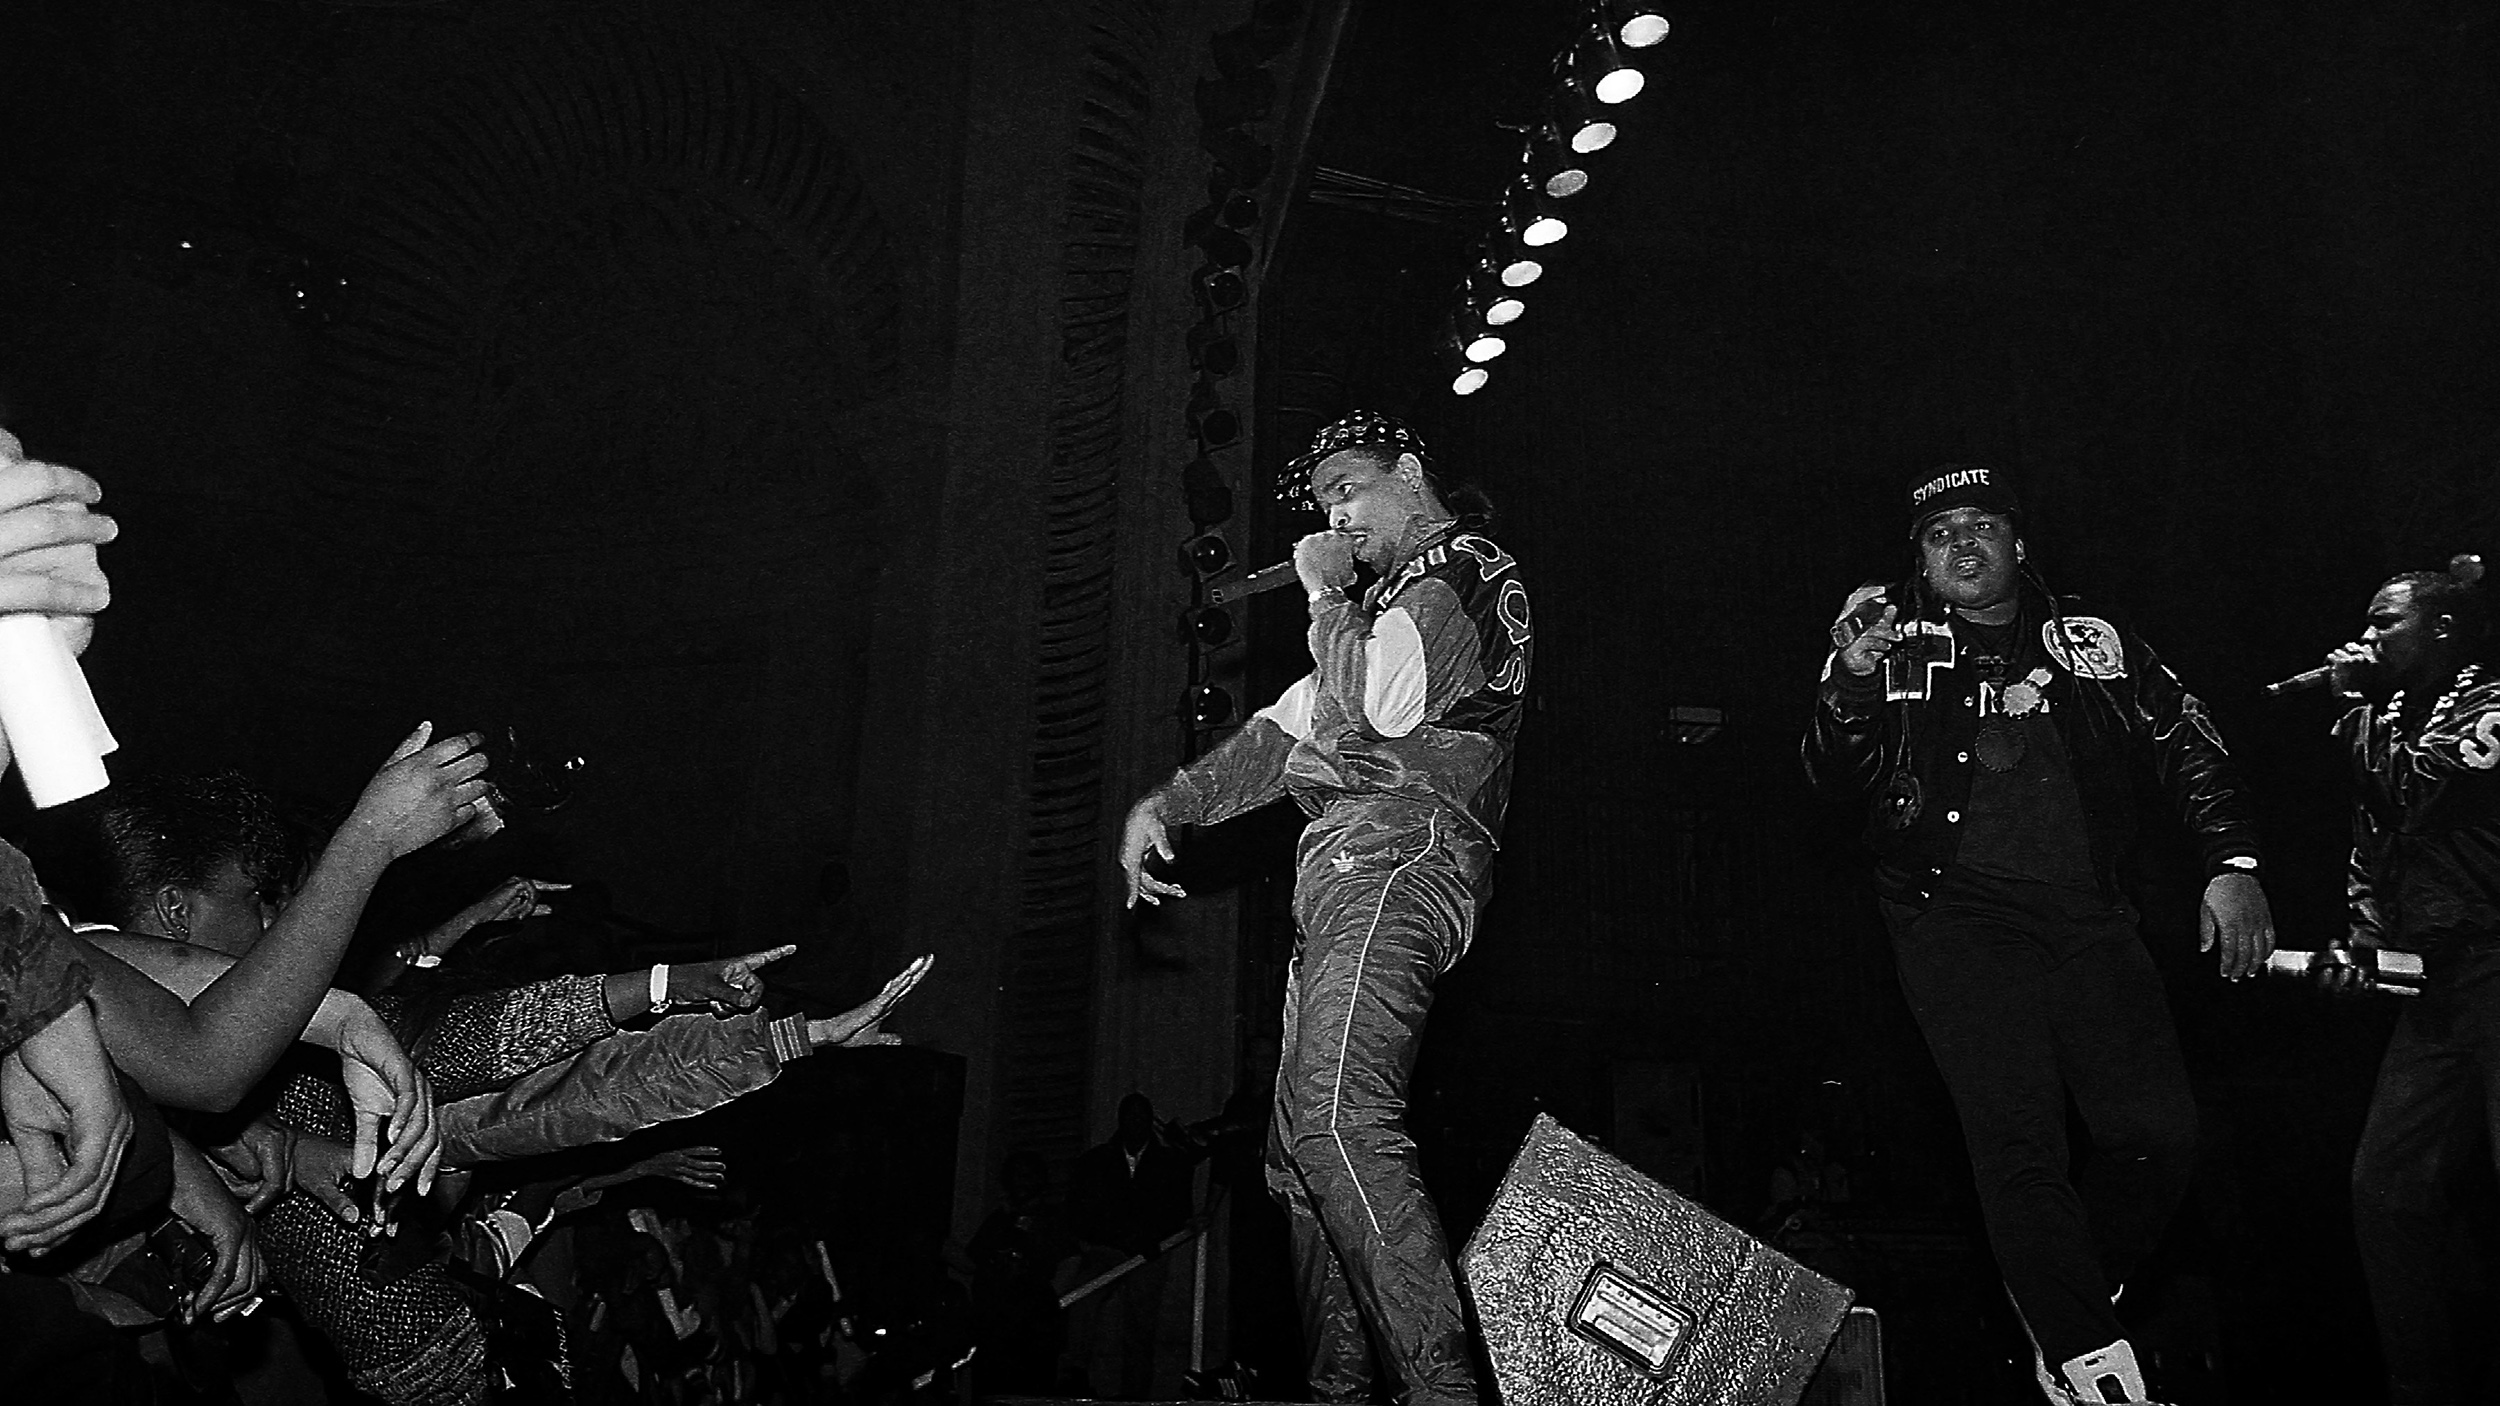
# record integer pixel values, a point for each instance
(1207, 705)
(1599, 64)
(1641, 26)
(1531, 212)
(1465, 338)
(1210, 626)
(1465, 377)
(1516, 266)
(1503, 311)
(1579, 117)
(1554, 166)
(1206, 555)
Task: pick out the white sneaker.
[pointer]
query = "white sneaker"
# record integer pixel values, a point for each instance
(2105, 1376)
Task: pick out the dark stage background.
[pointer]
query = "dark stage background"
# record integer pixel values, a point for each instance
(782, 404)
(2215, 281)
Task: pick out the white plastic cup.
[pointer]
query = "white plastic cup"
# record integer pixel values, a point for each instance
(56, 735)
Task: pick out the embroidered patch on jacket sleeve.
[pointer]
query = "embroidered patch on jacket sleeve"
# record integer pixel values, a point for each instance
(2479, 748)
(2088, 647)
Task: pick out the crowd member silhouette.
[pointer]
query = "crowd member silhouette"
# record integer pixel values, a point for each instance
(1126, 1196)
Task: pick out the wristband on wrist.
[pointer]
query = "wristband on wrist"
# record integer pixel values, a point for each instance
(659, 988)
(790, 1038)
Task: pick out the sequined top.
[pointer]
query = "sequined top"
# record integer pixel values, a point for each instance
(468, 1044)
(489, 1038)
(415, 1341)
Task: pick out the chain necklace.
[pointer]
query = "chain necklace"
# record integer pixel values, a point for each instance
(2000, 744)
(2466, 678)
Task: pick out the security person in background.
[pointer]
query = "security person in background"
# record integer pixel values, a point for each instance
(2424, 737)
(1996, 736)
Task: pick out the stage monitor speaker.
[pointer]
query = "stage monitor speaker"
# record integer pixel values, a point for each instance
(1595, 1286)
(1852, 1373)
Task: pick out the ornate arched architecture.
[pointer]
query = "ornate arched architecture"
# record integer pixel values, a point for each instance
(779, 406)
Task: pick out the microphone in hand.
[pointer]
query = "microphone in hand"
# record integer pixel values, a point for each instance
(2349, 670)
(2302, 682)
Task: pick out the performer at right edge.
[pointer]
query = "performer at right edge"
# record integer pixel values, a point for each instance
(1398, 744)
(2425, 745)
(1997, 736)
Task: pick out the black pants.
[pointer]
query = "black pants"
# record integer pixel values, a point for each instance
(2436, 1109)
(2025, 1003)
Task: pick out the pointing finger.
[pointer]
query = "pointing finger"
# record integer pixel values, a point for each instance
(29, 481)
(334, 1196)
(368, 1139)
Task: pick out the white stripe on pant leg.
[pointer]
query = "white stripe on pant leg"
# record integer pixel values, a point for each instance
(1362, 960)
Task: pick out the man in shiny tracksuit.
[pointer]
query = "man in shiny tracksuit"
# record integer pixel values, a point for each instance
(1995, 736)
(2425, 877)
(1398, 744)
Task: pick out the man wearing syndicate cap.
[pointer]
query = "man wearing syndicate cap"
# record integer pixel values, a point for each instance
(1997, 736)
(1398, 745)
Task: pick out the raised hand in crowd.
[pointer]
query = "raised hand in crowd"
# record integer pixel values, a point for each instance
(322, 1168)
(393, 1102)
(699, 1167)
(511, 901)
(48, 535)
(859, 1026)
(70, 1127)
(208, 1053)
(724, 981)
(201, 1201)
(390, 1097)
(258, 1165)
(425, 791)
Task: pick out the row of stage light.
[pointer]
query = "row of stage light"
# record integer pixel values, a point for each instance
(1591, 77)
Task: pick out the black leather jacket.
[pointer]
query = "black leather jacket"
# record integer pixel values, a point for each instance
(2426, 820)
(1899, 743)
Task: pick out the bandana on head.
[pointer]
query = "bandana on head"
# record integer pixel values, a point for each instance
(1364, 429)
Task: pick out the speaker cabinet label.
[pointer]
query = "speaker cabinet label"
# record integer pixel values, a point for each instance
(1630, 1320)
